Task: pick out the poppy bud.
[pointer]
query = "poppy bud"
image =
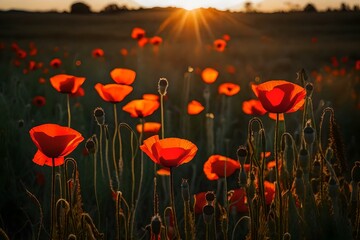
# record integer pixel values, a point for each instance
(185, 190)
(304, 159)
(315, 185)
(333, 188)
(210, 197)
(90, 145)
(309, 134)
(241, 154)
(162, 86)
(355, 172)
(99, 115)
(208, 213)
(72, 237)
(309, 87)
(155, 225)
(286, 236)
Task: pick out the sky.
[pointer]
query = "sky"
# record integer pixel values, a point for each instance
(96, 5)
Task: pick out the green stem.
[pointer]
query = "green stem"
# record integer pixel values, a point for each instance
(279, 204)
(162, 116)
(95, 189)
(113, 146)
(176, 229)
(68, 109)
(52, 197)
(107, 159)
(101, 152)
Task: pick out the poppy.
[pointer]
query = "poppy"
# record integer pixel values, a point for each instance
(97, 52)
(39, 101)
(314, 39)
(141, 108)
(194, 107)
(33, 51)
(55, 63)
(200, 202)
(253, 107)
(279, 96)
(66, 83)
(163, 172)
(54, 141)
(226, 37)
(123, 76)
(169, 152)
(219, 45)
(228, 89)
(238, 200)
(150, 96)
(124, 52)
(357, 65)
(21, 53)
(230, 69)
(269, 192)
(32, 65)
(149, 127)
(142, 42)
(79, 93)
(138, 33)
(273, 116)
(214, 167)
(156, 41)
(113, 93)
(42, 80)
(209, 75)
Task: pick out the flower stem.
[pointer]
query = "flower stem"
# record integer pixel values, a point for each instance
(162, 116)
(113, 146)
(101, 152)
(172, 202)
(52, 197)
(279, 203)
(95, 189)
(68, 109)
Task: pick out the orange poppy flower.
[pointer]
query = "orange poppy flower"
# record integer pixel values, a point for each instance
(169, 152)
(66, 83)
(279, 96)
(138, 33)
(163, 172)
(357, 65)
(194, 107)
(123, 76)
(39, 101)
(273, 116)
(150, 96)
(141, 108)
(226, 37)
(156, 41)
(124, 52)
(200, 202)
(269, 192)
(79, 93)
(21, 53)
(238, 200)
(42, 80)
(113, 93)
(231, 69)
(253, 107)
(149, 127)
(142, 42)
(228, 89)
(55, 63)
(214, 167)
(32, 65)
(219, 45)
(97, 52)
(209, 75)
(54, 141)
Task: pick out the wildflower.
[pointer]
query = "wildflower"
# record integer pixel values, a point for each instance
(42, 80)
(169, 152)
(21, 53)
(79, 93)
(141, 108)
(279, 96)
(209, 75)
(200, 202)
(150, 96)
(54, 141)
(214, 167)
(66, 83)
(138, 33)
(253, 107)
(230, 69)
(156, 41)
(219, 45)
(194, 107)
(163, 172)
(123, 76)
(55, 63)
(226, 37)
(228, 89)
(142, 42)
(149, 127)
(124, 52)
(113, 93)
(273, 116)
(39, 101)
(97, 52)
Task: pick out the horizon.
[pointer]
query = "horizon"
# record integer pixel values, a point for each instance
(232, 5)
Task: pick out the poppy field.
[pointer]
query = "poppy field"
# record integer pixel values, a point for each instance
(174, 124)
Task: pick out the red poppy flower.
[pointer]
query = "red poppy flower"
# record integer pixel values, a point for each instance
(140, 108)
(32, 65)
(194, 107)
(123, 76)
(230, 69)
(156, 41)
(55, 63)
(138, 33)
(124, 52)
(226, 37)
(200, 202)
(163, 172)
(39, 101)
(238, 200)
(113, 93)
(169, 152)
(54, 141)
(273, 116)
(66, 83)
(142, 42)
(97, 52)
(79, 93)
(42, 80)
(219, 45)
(149, 127)
(279, 96)
(357, 65)
(209, 75)
(269, 192)
(150, 96)
(253, 107)
(21, 53)
(228, 89)
(214, 167)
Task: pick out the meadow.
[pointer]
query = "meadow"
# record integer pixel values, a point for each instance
(106, 199)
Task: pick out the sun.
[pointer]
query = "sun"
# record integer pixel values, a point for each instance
(190, 5)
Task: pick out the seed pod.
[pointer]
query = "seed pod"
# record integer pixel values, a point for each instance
(286, 236)
(208, 213)
(210, 197)
(304, 160)
(155, 225)
(185, 190)
(99, 115)
(309, 87)
(309, 134)
(241, 154)
(316, 169)
(162, 86)
(90, 145)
